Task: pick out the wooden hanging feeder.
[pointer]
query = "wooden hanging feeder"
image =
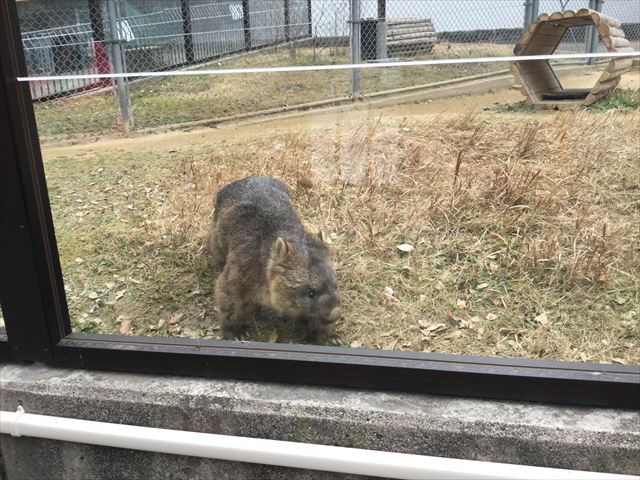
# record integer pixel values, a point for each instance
(539, 82)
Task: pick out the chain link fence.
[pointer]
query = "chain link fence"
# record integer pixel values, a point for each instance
(83, 37)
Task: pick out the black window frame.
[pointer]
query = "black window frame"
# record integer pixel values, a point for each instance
(38, 327)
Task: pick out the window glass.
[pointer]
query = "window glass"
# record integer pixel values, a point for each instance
(439, 212)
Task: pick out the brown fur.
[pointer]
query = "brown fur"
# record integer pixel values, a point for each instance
(271, 265)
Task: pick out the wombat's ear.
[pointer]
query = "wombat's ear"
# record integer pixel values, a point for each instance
(279, 250)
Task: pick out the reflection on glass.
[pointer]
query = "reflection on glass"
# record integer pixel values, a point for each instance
(457, 220)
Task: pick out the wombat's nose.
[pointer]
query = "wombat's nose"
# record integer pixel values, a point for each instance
(335, 314)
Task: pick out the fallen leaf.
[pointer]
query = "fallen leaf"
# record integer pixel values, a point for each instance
(125, 327)
(356, 344)
(120, 294)
(187, 332)
(542, 319)
(424, 323)
(439, 286)
(92, 295)
(197, 292)
(427, 332)
(619, 360)
(491, 316)
(621, 300)
(405, 248)
(461, 304)
(79, 260)
(455, 334)
(482, 286)
(109, 285)
(470, 323)
(388, 294)
(176, 318)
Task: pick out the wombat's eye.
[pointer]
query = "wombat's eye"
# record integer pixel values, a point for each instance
(311, 293)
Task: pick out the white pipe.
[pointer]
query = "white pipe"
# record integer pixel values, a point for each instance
(273, 452)
(346, 66)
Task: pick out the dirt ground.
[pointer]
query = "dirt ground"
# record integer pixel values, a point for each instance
(131, 214)
(475, 97)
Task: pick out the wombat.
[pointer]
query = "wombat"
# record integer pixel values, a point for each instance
(271, 265)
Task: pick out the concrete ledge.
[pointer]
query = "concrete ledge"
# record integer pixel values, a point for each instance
(551, 436)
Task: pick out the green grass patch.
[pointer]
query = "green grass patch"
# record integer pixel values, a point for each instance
(519, 107)
(623, 100)
(626, 99)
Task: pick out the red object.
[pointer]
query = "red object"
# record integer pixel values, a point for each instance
(101, 63)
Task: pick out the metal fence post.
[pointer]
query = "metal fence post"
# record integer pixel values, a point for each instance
(246, 24)
(595, 36)
(381, 30)
(355, 47)
(527, 13)
(535, 10)
(117, 57)
(309, 18)
(287, 21)
(591, 37)
(185, 10)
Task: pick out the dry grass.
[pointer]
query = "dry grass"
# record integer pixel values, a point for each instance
(185, 99)
(525, 233)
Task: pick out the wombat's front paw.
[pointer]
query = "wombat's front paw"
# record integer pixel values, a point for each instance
(335, 340)
(237, 334)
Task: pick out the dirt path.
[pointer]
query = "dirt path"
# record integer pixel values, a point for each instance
(462, 98)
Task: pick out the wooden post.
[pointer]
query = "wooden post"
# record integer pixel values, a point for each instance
(185, 9)
(246, 23)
